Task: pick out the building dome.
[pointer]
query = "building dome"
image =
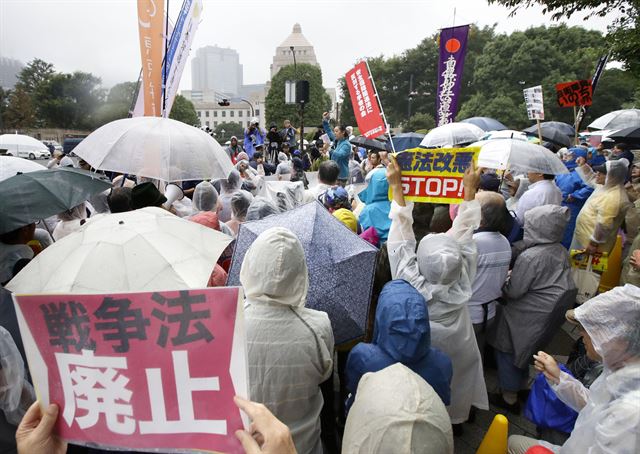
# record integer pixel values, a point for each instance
(303, 49)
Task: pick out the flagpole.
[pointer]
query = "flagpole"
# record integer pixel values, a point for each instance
(384, 117)
(164, 67)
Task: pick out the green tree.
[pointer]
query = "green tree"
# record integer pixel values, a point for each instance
(419, 121)
(118, 103)
(500, 107)
(183, 110)
(319, 101)
(623, 33)
(70, 100)
(19, 112)
(30, 81)
(230, 129)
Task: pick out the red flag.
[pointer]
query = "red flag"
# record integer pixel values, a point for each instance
(365, 105)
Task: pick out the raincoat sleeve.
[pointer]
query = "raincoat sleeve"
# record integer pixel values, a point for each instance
(327, 129)
(466, 222)
(606, 219)
(587, 175)
(582, 193)
(570, 391)
(401, 245)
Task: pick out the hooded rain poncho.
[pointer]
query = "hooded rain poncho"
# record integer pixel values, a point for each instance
(443, 271)
(401, 335)
(377, 206)
(609, 415)
(540, 289)
(603, 212)
(290, 347)
(205, 198)
(387, 418)
(260, 208)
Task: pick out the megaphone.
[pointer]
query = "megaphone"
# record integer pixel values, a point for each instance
(172, 192)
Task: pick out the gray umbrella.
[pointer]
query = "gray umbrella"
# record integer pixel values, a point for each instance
(369, 144)
(341, 265)
(29, 197)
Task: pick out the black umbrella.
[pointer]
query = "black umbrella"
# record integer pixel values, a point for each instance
(405, 141)
(550, 134)
(630, 136)
(564, 128)
(28, 197)
(370, 144)
(485, 123)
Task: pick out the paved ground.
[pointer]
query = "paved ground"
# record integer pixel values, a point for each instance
(474, 432)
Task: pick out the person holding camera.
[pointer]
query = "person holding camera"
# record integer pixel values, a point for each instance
(253, 136)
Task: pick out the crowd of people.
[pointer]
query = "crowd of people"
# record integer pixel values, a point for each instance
(458, 289)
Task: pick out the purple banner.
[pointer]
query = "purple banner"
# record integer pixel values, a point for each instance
(453, 48)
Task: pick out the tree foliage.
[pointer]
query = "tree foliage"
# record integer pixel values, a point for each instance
(319, 101)
(183, 110)
(118, 103)
(623, 33)
(230, 129)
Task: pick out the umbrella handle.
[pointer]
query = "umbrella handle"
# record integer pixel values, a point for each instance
(47, 229)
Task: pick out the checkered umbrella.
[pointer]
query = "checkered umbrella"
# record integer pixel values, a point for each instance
(341, 265)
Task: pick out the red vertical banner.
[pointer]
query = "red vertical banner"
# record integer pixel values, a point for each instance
(365, 104)
(151, 28)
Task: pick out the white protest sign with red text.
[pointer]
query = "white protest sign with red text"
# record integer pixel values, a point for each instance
(365, 106)
(140, 370)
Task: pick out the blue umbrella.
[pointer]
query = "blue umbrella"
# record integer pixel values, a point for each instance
(405, 141)
(341, 265)
(485, 123)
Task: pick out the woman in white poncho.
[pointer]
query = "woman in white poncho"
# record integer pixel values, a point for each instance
(443, 270)
(390, 418)
(290, 347)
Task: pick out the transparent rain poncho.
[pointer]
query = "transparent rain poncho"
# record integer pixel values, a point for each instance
(240, 202)
(609, 411)
(387, 418)
(205, 198)
(604, 211)
(260, 208)
(16, 393)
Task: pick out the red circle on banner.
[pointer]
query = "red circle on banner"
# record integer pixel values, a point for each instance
(452, 45)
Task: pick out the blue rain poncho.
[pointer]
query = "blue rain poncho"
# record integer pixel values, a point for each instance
(401, 335)
(376, 212)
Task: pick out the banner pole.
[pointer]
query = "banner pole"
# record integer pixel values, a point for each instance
(164, 67)
(384, 117)
(575, 120)
(539, 130)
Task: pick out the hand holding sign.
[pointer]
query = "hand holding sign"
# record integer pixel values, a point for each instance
(471, 181)
(35, 432)
(270, 436)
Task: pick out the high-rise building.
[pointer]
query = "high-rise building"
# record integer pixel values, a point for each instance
(303, 50)
(216, 69)
(9, 70)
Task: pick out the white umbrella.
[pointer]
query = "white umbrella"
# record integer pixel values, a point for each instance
(452, 134)
(10, 166)
(505, 134)
(144, 250)
(155, 147)
(19, 143)
(618, 119)
(518, 156)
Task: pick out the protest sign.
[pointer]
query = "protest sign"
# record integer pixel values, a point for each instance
(534, 101)
(151, 32)
(576, 93)
(435, 176)
(365, 105)
(155, 370)
(453, 48)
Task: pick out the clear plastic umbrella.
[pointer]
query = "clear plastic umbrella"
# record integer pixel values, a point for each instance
(505, 134)
(10, 166)
(144, 250)
(518, 156)
(452, 134)
(155, 147)
(618, 119)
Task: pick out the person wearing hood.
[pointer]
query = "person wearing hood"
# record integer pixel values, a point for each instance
(575, 191)
(377, 206)
(15, 252)
(298, 172)
(401, 335)
(601, 216)
(598, 155)
(228, 187)
(289, 347)
(260, 208)
(443, 270)
(342, 148)
(288, 134)
(609, 417)
(388, 418)
(234, 149)
(283, 171)
(240, 202)
(70, 221)
(205, 198)
(538, 292)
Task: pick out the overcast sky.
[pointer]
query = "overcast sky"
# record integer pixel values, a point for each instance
(101, 36)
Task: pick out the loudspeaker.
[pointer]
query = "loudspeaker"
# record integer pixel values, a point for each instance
(173, 192)
(302, 91)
